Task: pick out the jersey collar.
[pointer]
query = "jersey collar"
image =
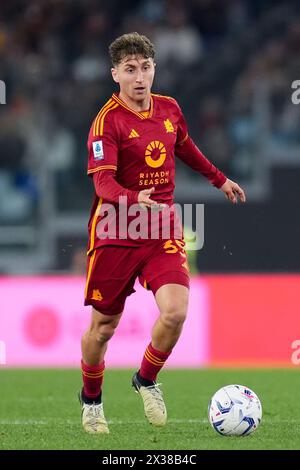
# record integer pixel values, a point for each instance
(140, 115)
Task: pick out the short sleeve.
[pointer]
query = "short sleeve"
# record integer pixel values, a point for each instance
(102, 146)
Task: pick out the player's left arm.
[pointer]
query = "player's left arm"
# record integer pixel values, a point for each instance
(233, 191)
(189, 153)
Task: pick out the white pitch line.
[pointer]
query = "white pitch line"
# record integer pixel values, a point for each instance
(75, 422)
(22, 422)
(27, 422)
(171, 420)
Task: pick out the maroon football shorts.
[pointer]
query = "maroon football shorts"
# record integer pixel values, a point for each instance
(113, 269)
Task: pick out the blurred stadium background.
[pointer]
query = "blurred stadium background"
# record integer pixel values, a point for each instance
(230, 64)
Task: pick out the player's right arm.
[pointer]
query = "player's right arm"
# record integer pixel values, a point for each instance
(107, 187)
(103, 160)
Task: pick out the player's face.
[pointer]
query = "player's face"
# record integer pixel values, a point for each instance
(135, 76)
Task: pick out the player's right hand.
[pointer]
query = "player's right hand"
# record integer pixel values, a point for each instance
(144, 200)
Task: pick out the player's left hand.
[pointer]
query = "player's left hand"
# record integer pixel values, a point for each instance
(233, 191)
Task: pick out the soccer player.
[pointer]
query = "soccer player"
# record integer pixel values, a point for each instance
(131, 146)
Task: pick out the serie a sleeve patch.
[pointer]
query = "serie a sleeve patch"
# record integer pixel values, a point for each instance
(98, 150)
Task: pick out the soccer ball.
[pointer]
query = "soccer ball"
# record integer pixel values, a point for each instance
(235, 410)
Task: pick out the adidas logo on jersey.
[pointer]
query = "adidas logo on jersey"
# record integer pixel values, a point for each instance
(133, 134)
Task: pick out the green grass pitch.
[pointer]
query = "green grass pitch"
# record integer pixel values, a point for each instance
(39, 410)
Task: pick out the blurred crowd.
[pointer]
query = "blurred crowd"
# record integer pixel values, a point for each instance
(229, 63)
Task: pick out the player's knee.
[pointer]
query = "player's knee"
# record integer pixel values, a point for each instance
(102, 331)
(174, 315)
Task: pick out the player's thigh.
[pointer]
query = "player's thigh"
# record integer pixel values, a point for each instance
(166, 264)
(172, 301)
(100, 320)
(111, 273)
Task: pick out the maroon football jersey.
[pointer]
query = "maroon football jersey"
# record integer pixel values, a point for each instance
(140, 148)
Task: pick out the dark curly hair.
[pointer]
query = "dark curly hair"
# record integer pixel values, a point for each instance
(130, 44)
